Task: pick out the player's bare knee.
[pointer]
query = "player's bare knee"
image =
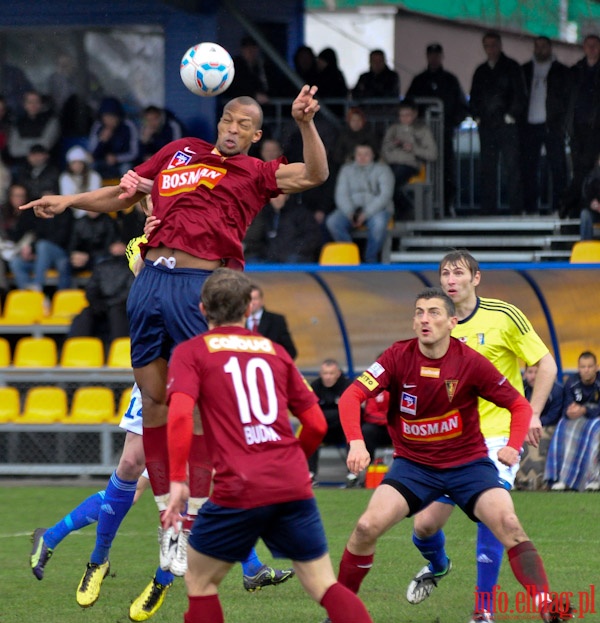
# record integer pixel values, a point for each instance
(511, 527)
(366, 530)
(130, 467)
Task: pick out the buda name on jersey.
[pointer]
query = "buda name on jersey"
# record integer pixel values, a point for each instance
(439, 428)
(239, 343)
(184, 179)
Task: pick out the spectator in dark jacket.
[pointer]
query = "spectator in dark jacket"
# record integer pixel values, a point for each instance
(113, 140)
(159, 127)
(92, 241)
(38, 174)
(547, 81)
(284, 232)
(379, 81)
(498, 104)
(583, 121)
(590, 203)
(106, 292)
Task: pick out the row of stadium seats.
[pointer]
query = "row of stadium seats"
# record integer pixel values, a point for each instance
(49, 405)
(77, 352)
(30, 307)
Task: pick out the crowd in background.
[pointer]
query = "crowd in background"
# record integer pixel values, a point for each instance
(53, 142)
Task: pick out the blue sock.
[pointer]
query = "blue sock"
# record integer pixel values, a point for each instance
(117, 502)
(252, 564)
(80, 517)
(432, 549)
(163, 577)
(489, 559)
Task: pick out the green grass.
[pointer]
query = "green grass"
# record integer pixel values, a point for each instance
(563, 526)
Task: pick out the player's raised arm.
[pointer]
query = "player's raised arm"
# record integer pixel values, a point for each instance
(105, 199)
(299, 176)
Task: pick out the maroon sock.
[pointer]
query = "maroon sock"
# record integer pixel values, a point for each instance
(528, 567)
(343, 606)
(202, 609)
(157, 458)
(200, 468)
(353, 569)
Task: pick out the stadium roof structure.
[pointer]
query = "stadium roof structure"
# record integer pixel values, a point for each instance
(557, 19)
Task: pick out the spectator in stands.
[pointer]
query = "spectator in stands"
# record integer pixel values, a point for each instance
(305, 63)
(329, 387)
(355, 131)
(436, 82)
(5, 180)
(364, 197)
(78, 177)
(572, 462)
(47, 247)
(16, 231)
(106, 292)
(36, 125)
(283, 232)
(14, 86)
(498, 105)
(407, 146)
(95, 238)
(269, 324)
(38, 174)
(6, 120)
(331, 81)
(159, 127)
(62, 83)
(547, 81)
(250, 78)
(113, 140)
(270, 149)
(590, 201)
(379, 82)
(583, 121)
(533, 460)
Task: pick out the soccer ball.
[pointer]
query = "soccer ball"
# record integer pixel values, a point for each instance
(207, 69)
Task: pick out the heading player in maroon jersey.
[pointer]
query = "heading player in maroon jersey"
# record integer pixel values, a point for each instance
(204, 197)
(243, 385)
(434, 382)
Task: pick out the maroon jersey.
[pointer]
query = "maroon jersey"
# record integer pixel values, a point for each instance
(244, 384)
(207, 201)
(433, 417)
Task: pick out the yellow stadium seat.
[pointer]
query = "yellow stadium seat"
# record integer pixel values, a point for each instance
(10, 407)
(23, 307)
(35, 352)
(339, 254)
(4, 352)
(92, 405)
(82, 352)
(44, 405)
(419, 177)
(119, 353)
(65, 305)
(585, 252)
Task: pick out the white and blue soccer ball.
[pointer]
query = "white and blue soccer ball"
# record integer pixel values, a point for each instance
(207, 69)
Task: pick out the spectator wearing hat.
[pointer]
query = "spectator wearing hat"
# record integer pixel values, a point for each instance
(78, 177)
(436, 82)
(114, 140)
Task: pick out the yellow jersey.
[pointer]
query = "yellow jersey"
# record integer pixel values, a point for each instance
(503, 335)
(132, 251)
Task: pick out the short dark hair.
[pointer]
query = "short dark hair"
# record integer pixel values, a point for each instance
(543, 38)
(438, 293)
(459, 256)
(408, 102)
(587, 354)
(492, 34)
(591, 36)
(226, 296)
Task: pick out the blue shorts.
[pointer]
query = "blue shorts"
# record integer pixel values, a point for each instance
(420, 485)
(291, 530)
(163, 311)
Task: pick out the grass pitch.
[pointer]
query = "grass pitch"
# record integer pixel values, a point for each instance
(563, 526)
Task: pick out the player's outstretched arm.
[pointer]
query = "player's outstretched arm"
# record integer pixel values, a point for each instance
(105, 199)
(299, 176)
